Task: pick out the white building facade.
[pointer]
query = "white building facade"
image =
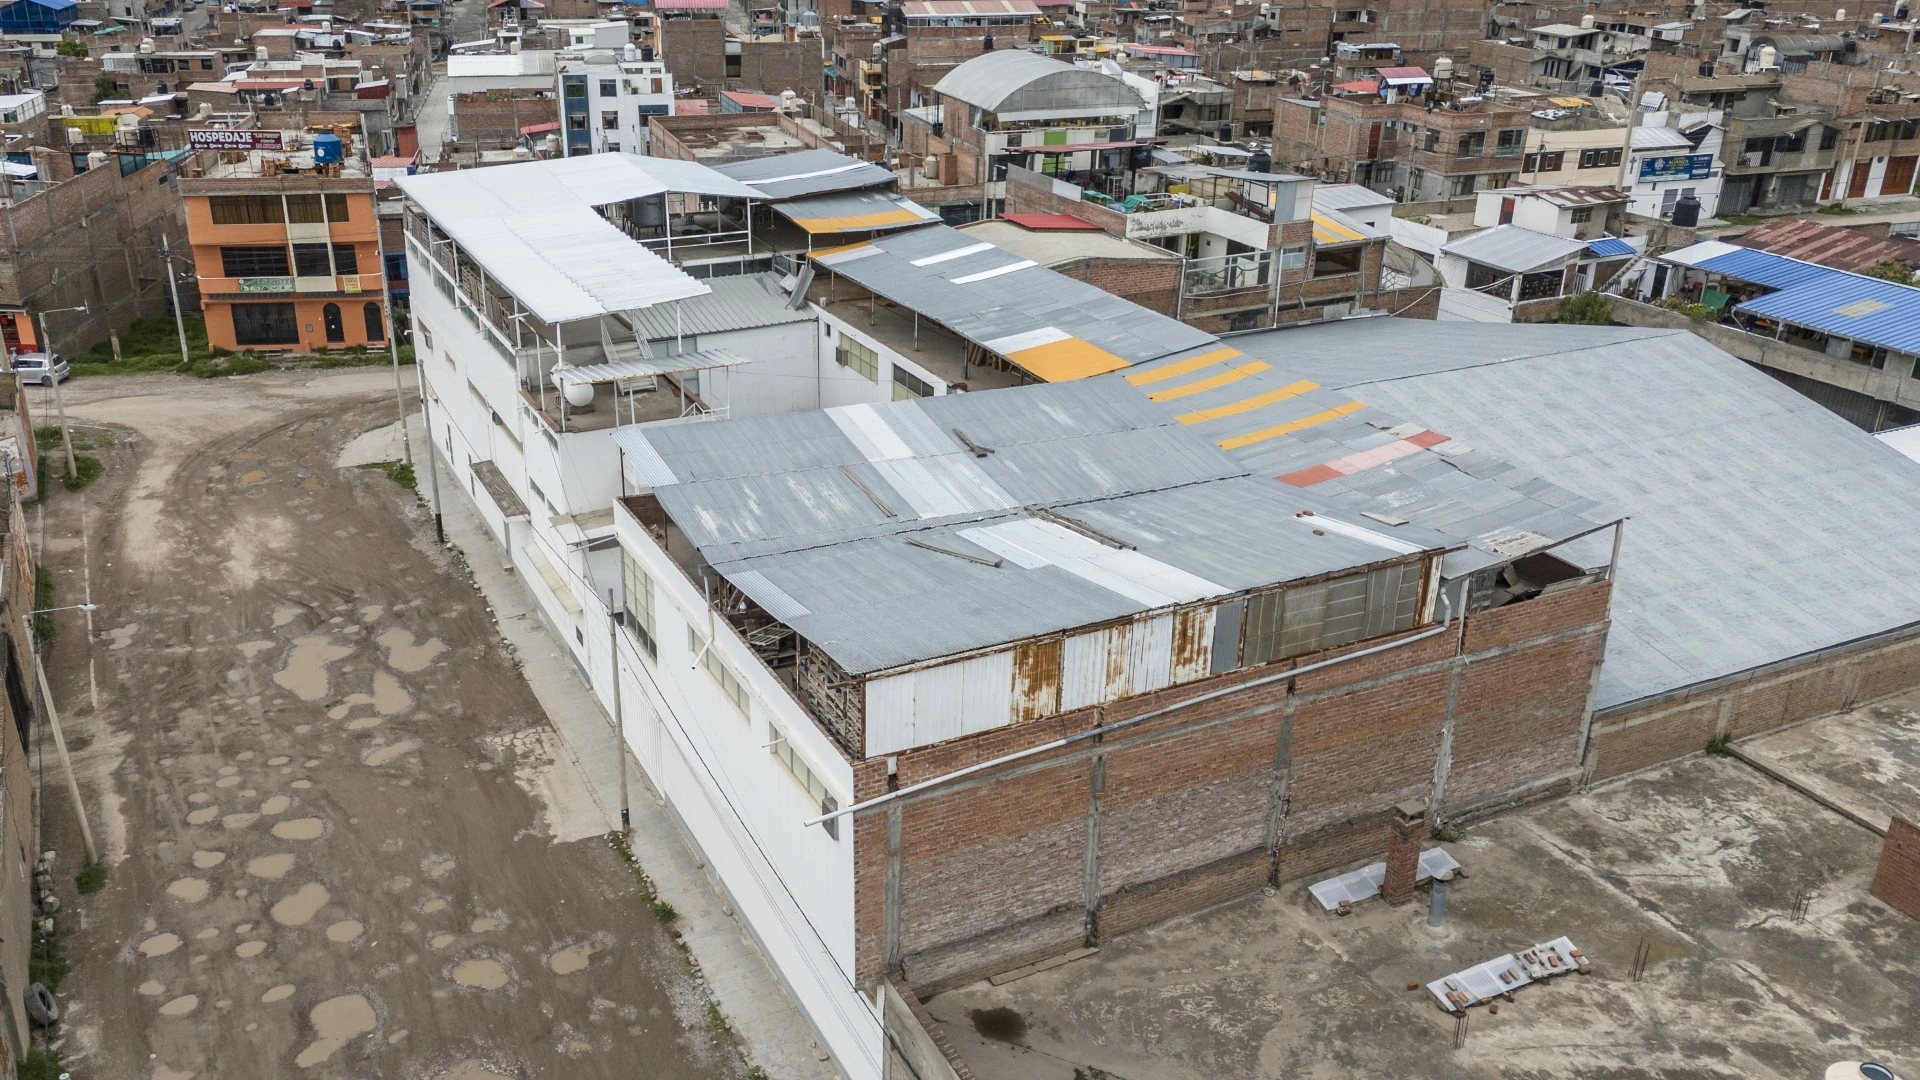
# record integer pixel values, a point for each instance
(607, 100)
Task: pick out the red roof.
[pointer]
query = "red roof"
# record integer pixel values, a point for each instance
(690, 5)
(749, 99)
(691, 107)
(1159, 50)
(1402, 74)
(1050, 222)
(393, 161)
(270, 84)
(538, 129)
(1360, 86)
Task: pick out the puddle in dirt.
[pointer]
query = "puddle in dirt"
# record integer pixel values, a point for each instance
(300, 907)
(404, 655)
(336, 1021)
(480, 974)
(306, 671)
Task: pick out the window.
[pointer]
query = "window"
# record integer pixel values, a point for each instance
(426, 335)
(858, 357)
(1550, 161)
(1328, 262)
(1430, 140)
(1790, 144)
(1878, 131)
(609, 88)
(310, 260)
(782, 748)
(305, 209)
(1511, 141)
(345, 260)
(1829, 136)
(907, 386)
(337, 208)
(638, 588)
(246, 209)
(718, 670)
(577, 122)
(1600, 157)
(1472, 143)
(1293, 258)
(610, 121)
(576, 89)
(1463, 185)
(265, 324)
(254, 261)
(376, 325)
(1582, 215)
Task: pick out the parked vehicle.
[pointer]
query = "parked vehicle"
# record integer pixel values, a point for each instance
(34, 368)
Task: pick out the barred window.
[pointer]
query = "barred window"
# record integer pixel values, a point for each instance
(639, 599)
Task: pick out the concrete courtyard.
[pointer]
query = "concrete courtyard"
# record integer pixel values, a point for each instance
(1704, 861)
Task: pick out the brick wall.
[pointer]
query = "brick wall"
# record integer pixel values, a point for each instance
(1151, 283)
(1215, 798)
(1639, 735)
(1897, 879)
(492, 119)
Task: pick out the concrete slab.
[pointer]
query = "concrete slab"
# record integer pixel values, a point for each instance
(1702, 861)
(1865, 762)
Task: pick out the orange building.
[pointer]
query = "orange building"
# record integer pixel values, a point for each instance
(289, 261)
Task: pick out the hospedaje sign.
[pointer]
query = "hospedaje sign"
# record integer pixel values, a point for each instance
(1676, 167)
(233, 139)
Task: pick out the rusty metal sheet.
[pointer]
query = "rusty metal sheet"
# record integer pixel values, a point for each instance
(1036, 679)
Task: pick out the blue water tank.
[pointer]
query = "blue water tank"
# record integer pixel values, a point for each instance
(327, 149)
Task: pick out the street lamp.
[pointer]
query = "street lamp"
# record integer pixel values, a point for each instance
(59, 401)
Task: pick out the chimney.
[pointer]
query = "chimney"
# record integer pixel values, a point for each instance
(1410, 826)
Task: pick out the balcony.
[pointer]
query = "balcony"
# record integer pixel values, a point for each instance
(281, 287)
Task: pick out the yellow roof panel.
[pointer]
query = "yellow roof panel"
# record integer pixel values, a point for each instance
(1066, 359)
(1181, 367)
(1231, 375)
(1570, 102)
(857, 222)
(1257, 401)
(1328, 231)
(1290, 426)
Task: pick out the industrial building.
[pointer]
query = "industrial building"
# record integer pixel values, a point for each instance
(941, 683)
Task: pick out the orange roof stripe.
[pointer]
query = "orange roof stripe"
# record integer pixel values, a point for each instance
(1067, 359)
(1290, 426)
(1231, 375)
(860, 221)
(1235, 408)
(1181, 367)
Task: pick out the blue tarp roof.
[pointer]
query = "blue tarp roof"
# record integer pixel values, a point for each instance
(1765, 268)
(52, 5)
(1608, 246)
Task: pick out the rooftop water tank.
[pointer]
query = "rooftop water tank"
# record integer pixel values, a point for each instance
(1443, 68)
(1686, 212)
(327, 150)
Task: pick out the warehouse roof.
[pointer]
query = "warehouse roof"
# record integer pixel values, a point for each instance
(534, 226)
(1761, 526)
(1052, 326)
(877, 533)
(1829, 245)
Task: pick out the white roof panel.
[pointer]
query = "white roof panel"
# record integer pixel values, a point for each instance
(533, 226)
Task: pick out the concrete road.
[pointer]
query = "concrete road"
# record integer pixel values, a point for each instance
(466, 21)
(323, 788)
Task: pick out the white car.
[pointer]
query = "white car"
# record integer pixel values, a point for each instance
(34, 369)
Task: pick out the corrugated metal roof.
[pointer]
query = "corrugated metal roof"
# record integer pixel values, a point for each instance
(1660, 138)
(855, 211)
(1829, 245)
(735, 303)
(939, 9)
(1761, 526)
(815, 511)
(1515, 249)
(534, 227)
(806, 172)
(1011, 306)
(1609, 246)
(646, 368)
(1011, 80)
(1847, 305)
(1347, 197)
(1763, 268)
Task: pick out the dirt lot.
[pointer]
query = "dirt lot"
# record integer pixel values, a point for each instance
(1702, 861)
(314, 773)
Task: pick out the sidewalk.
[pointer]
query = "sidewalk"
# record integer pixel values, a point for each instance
(583, 786)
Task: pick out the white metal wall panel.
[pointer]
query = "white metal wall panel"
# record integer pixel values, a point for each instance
(890, 714)
(1150, 654)
(1144, 580)
(1083, 669)
(934, 704)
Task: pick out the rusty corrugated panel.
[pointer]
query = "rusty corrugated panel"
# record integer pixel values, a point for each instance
(1149, 654)
(1119, 650)
(1192, 644)
(1036, 679)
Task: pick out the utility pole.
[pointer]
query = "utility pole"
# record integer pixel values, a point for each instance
(66, 433)
(433, 470)
(60, 746)
(393, 350)
(619, 716)
(173, 287)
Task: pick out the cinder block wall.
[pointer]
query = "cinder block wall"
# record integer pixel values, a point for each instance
(1211, 801)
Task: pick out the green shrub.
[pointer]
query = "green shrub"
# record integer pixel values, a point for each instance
(92, 879)
(1587, 309)
(87, 470)
(42, 600)
(1890, 270)
(47, 965)
(397, 471)
(41, 1064)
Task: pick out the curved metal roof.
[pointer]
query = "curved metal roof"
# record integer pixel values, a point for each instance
(1014, 80)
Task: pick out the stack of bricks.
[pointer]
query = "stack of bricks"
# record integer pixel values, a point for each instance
(1897, 879)
(1410, 825)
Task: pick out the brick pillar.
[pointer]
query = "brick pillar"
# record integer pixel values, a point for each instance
(1897, 879)
(1403, 851)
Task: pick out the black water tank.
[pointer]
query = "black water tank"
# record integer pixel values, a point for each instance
(1226, 132)
(646, 53)
(1706, 69)
(986, 43)
(1261, 161)
(1686, 212)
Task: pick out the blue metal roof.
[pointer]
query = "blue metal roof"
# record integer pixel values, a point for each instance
(1763, 268)
(1607, 246)
(1848, 305)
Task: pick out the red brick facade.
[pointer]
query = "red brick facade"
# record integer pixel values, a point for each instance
(1208, 802)
(1897, 879)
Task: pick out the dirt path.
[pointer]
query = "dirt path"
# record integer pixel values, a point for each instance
(303, 770)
